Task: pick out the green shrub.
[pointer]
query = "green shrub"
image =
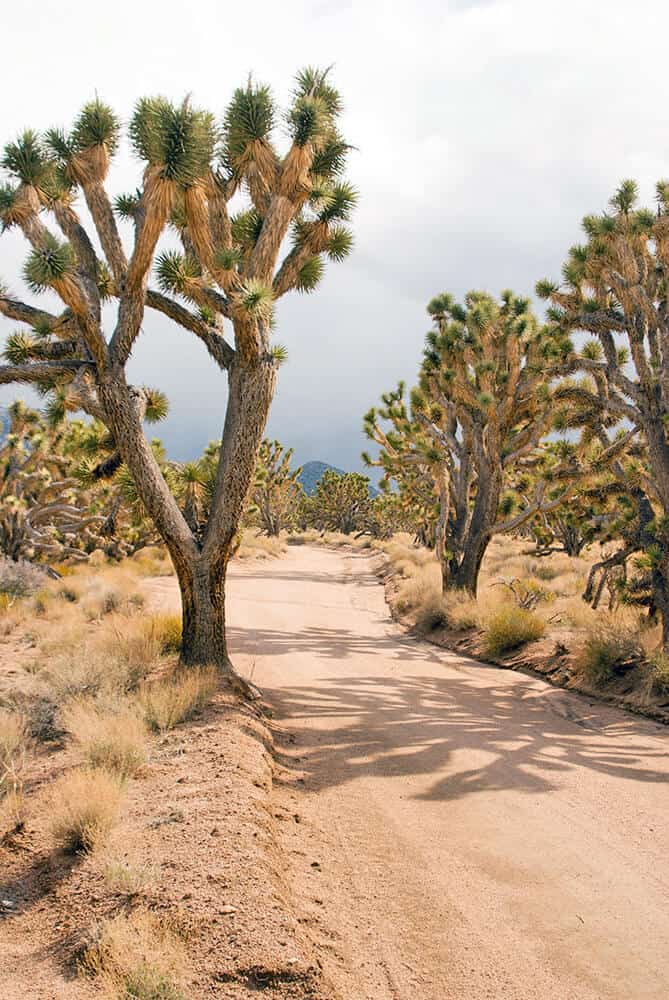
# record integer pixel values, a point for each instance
(510, 627)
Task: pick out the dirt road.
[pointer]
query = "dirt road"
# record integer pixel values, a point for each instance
(459, 831)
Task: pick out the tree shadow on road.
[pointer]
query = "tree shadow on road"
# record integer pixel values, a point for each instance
(520, 733)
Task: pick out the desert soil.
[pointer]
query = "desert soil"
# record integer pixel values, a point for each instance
(454, 830)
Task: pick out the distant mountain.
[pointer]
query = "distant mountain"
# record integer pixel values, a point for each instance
(312, 472)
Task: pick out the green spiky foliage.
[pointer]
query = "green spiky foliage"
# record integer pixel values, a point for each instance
(178, 140)
(96, 125)
(48, 265)
(340, 502)
(276, 494)
(51, 511)
(614, 289)
(260, 205)
(474, 426)
(409, 474)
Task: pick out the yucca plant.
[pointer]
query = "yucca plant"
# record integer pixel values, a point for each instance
(221, 287)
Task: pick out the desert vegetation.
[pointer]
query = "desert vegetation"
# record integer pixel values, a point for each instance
(228, 271)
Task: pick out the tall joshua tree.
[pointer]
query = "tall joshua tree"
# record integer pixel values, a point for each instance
(474, 424)
(615, 287)
(228, 274)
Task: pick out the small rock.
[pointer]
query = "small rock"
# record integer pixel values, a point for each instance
(7, 904)
(228, 909)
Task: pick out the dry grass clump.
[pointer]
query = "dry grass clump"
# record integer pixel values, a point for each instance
(659, 668)
(115, 740)
(308, 537)
(128, 878)
(509, 627)
(422, 589)
(610, 650)
(456, 610)
(19, 579)
(137, 955)
(12, 811)
(257, 546)
(83, 809)
(463, 611)
(14, 738)
(152, 561)
(177, 698)
(167, 630)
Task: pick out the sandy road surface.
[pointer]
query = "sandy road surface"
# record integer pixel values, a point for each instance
(465, 832)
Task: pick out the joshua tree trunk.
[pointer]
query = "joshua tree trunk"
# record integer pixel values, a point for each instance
(203, 615)
(201, 570)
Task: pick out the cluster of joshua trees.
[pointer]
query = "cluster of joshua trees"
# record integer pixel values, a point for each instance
(554, 426)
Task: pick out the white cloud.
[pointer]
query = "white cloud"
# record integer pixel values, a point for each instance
(484, 132)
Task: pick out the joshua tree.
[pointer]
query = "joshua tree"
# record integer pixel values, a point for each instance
(415, 472)
(228, 275)
(340, 502)
(475, 423)
(615, 288)
(276, 492)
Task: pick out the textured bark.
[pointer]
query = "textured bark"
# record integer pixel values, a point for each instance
(250, 395)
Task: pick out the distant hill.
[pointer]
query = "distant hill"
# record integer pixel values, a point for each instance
(312, 472)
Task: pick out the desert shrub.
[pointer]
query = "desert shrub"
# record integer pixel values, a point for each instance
(254, 546)
(462, 611)
(421, 589)
(126, 878)
(106, 598)
(136, 955)
(432, 614)
(84, 671)
(611, 650)
(167, 629)
(12, 811)
(152, 561)
(83, 809)
(509, 627)
(40, 710)
(13, 744)
(114, 740)
(19, 579)
(659, 666)
(526, 592)
(176, 698)
(574, 611)
(13, 736)
(69, 592)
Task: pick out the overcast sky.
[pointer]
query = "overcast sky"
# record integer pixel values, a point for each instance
(484, 132)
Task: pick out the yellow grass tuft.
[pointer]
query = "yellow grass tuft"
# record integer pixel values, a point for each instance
(509, 627)
(83, 809)
(116, 740)
(175, 699)
(137, 955)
